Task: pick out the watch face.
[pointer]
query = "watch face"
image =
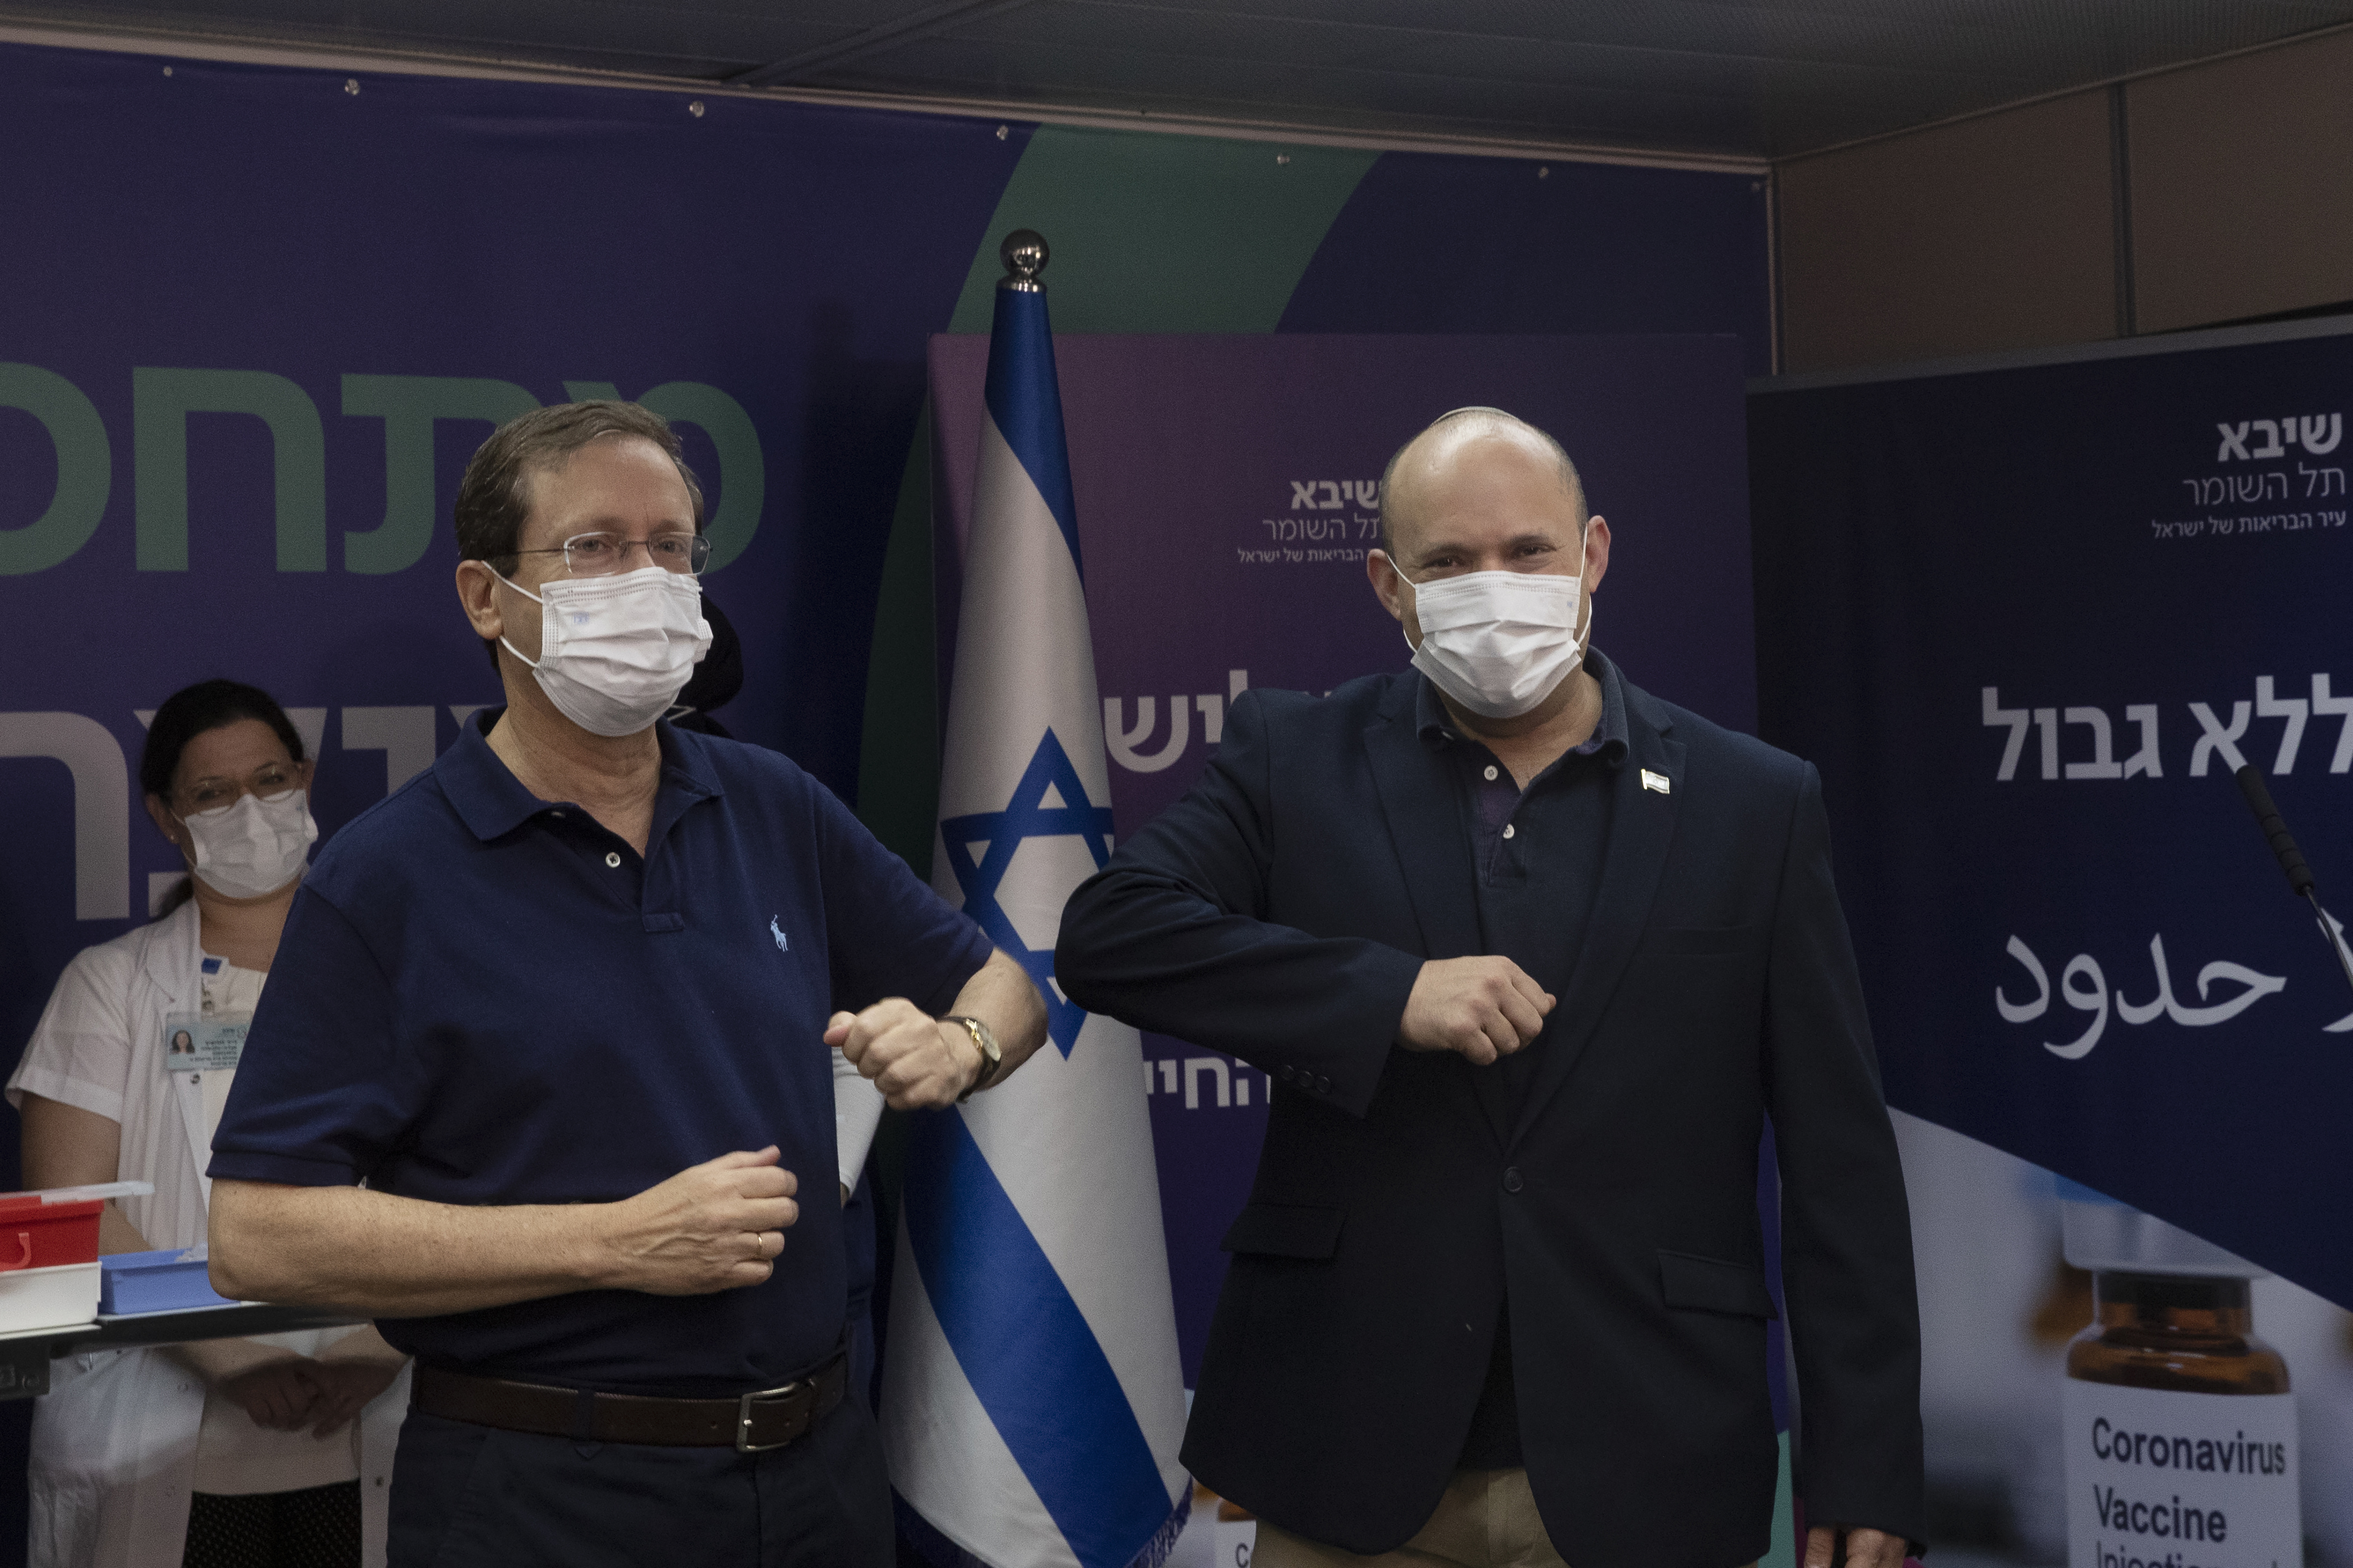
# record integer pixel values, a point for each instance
(982, 1036)
(991, 1058)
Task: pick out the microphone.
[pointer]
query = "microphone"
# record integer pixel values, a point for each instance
(2300, 879)
(2267, 818)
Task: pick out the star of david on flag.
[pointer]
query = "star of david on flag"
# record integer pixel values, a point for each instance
(1033, 1400)
(1049, 803)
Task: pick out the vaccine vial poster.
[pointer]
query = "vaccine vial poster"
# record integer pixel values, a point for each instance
(2030, 619)
(2158, 1478)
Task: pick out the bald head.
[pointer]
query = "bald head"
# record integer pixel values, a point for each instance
(1453, 438)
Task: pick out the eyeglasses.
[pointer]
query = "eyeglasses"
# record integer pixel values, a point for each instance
(200, 797)
(604, 554)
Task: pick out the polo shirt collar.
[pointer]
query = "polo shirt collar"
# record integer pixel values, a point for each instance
(491, 802)
(1436, 726)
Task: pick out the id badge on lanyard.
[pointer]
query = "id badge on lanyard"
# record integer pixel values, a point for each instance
(203, 1042)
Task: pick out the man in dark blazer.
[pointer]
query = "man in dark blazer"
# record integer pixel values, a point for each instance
(1529, 955)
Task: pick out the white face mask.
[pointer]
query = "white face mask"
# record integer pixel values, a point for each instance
(614, 652)
(255, 844)
(1498, 642)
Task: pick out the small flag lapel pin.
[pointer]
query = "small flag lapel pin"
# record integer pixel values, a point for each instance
(1654, 781)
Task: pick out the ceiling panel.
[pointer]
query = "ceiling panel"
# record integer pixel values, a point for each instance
(1742, 77)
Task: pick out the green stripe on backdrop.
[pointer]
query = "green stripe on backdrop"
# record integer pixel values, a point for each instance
(899, 749)
(1166, 234)
(1149, 233)
(1784, 1551)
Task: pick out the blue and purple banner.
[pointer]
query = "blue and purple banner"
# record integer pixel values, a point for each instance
(2030, 622)
(259, 318)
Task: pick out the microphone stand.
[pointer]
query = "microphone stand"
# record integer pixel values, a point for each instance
(2300, 878)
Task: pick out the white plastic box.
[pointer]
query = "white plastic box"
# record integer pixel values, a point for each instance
(53, 1298)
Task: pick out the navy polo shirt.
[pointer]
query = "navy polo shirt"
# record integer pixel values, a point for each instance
(1538, 852)
(483, 997)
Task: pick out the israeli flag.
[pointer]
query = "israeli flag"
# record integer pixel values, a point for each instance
(1033, 1400)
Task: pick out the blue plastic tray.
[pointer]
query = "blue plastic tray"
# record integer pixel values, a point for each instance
(166, 1281)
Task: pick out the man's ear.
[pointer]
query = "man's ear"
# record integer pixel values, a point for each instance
(478, 593)
(1388, 585)
(1597, 552)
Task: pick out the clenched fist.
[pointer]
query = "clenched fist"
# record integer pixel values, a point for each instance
(915, 1059)
(1482, 1007)
(713, 1226)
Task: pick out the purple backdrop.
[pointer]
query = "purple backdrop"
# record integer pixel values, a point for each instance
(1226, 491)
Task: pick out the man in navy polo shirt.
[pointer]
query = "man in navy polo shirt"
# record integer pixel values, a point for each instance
(569, 1005)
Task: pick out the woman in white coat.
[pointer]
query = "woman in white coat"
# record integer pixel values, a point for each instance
(261, 1453)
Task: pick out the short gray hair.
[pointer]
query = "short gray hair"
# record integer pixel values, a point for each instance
(494, 496)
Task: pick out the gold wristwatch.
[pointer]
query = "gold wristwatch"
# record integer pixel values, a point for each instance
(992, 1060)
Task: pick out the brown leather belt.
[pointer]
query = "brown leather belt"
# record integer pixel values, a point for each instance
(752, 1422)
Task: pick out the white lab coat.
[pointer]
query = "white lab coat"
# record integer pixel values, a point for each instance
(114, 1440)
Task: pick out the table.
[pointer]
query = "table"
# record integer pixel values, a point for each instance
(25, 1354)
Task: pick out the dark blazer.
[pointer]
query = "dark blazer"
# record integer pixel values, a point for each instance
(1280, 912)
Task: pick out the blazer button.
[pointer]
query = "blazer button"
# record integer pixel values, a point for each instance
(1286, 1072)
(1512, 1183)
(1323, 1086)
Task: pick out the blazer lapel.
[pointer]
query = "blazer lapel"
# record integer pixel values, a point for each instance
(1432, 842)
(1641, 829)
(1426, 828)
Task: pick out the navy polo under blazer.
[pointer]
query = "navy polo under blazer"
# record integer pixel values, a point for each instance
(483, 997)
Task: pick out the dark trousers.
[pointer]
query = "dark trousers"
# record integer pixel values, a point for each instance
(473, 1497)
(318, 1527)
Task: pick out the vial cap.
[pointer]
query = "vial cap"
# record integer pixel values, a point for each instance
(2102, 1234)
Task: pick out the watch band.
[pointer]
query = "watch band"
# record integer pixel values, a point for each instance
(992, 1059)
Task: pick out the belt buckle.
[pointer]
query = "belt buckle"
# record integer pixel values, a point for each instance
(744, 1444)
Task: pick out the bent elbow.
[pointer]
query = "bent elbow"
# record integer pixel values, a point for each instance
(235, 1254)
(1092, 965)
(221, 1263)
(224, 1283)
(1074, 972)
(1079, 944)
(1080, 913)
